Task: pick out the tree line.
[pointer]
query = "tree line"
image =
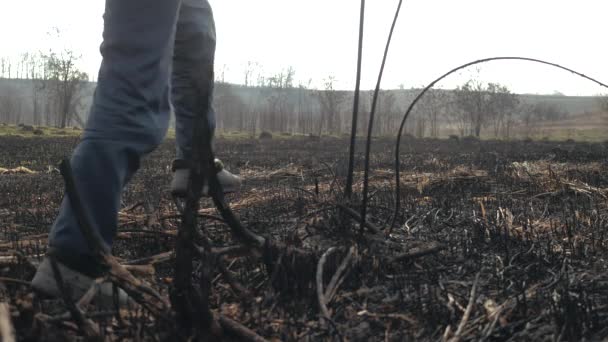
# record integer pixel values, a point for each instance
(473, 109)
(49, 89)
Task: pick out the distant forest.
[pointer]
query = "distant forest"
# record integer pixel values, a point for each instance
(51, 91)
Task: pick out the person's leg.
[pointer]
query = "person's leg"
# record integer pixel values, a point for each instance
(128, 118)
(193, 59)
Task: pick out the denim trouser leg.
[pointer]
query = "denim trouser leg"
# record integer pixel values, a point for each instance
(192, 64)
(128, 118)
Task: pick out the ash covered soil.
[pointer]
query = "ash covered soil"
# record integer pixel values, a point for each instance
(494, 241)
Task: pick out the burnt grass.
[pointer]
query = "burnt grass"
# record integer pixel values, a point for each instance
(527, 219)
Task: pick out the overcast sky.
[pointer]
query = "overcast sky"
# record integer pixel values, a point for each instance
(319, 38)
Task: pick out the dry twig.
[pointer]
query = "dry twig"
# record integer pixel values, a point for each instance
(7, 331)
(467, 313)
(320, 295)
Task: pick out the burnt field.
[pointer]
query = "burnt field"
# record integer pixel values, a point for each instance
(494, 241)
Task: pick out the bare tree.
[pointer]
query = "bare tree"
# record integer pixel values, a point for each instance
(481, 104)
(470, 100)
(229, 107)
(364, 111)
(330, 101)
(437, 100)
(547, 111)
(532, 116)
(529, 120)
(5, 67)
(508, 124)
(387, 113)
(500, 107)
(280, 108)
(220, 76)
(602, 101)
(36, 72)
(8, 103)
(305, 120)
(65, 85)
(250, 69)
(3, 62)
(429, 110)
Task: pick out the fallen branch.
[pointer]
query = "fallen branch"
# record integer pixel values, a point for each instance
(240, 290)
(397, 316)
(62, 318)
(417, 252)
(141, 270)
(355, 215)
(200, 215)
(238, 230)
(239, 330)
(350, 212)
(151, 260)
(131, 233)
(231, 251)
(137, 289)
(16, 281)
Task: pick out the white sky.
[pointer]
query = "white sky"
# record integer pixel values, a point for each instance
(319, 38)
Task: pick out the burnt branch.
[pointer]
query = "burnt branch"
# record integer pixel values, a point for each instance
(348, 189)
(370, 126)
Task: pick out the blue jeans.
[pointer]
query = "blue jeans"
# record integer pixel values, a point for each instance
(150, 49)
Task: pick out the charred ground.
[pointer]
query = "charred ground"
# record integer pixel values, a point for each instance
(528, 220)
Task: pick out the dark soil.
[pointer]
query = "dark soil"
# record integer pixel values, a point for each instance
(528, 220)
